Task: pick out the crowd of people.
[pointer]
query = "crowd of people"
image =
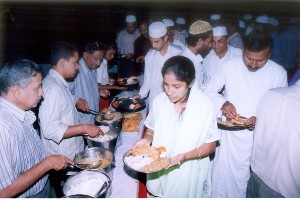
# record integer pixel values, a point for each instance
(192, 74)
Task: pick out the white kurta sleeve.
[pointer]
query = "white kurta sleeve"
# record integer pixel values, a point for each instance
(144, 90)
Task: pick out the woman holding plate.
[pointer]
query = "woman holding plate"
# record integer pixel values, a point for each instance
(182, 119)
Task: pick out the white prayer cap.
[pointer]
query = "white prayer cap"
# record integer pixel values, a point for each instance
(180, 20)
(249, 29)
(242, 24)
(264, 19)
(215, 17)
(219, 31)
(247, 17)
(273, 21)
(130, 18)
(199, 27)
(157, 29)
(168, 22)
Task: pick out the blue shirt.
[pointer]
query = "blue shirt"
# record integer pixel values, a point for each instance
(20, 146)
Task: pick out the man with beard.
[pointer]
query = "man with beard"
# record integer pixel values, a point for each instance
(125, 41)
(198, 46)
(154, 61)
(24, 165)
(220, 53)
(246, 79)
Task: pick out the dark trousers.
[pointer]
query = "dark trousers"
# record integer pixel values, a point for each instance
(256, 188)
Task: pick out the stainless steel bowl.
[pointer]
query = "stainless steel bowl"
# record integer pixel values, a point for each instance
(81, 180)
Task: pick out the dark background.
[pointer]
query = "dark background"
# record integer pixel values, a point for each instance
(29, 28)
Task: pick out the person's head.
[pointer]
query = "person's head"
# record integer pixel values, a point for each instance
(178, 77)
(170, 28)
(262, 23)
(111, 50)
(180, 24)
(143, 28)
(21, 83)
(200, 36)
(219, 42)
(158, 37)
(64, 58)
(93, 54)
(257, 50)
(130, 24)
(215, 19)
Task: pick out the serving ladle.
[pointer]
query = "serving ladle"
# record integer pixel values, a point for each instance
(107, 117)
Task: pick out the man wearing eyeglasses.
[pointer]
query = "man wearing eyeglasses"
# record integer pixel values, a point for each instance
(220, 53)
(85, 85)
(246, 79)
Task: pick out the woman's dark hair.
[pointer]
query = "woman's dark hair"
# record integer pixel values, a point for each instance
(192, 40)
(182, 67)
(110, 46)
(61, 50)
(257, 41)
(18, 72)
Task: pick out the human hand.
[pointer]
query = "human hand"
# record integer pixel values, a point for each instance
(111, 81)
(128, 56)
(82, 105)
(121, 88)
(228, 110)
(57, 162)
(92, 130)
(177, 160)
(140, 59)
(253, 122)
(141, 142)
(104, 93)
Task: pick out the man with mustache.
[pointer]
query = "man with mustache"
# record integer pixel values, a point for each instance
(246, 79)
(24, 165)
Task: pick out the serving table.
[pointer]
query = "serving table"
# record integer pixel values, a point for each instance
(124, 180)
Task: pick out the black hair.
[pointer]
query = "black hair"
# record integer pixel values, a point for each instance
(61, 50)
(110, 46)
(182, 67)
(91, 47)
(192, 40)
(257, 41)
(17, 72)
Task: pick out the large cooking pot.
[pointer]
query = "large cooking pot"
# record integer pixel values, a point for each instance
(87, 184)
(96, 153)
(115, 127)
(107, 141)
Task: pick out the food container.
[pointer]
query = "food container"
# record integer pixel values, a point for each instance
(115, 127)
(87, 184)
(108, 141)
(94, 153)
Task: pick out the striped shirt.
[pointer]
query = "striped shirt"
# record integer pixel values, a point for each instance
(20, 146)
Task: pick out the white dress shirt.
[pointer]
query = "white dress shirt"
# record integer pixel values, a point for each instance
(102, 74)
(57, 112)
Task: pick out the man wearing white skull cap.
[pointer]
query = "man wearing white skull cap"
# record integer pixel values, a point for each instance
(170, 32)
(198, 46)
(220, 53)
(125, 40)
(180, 29)
(154, 61)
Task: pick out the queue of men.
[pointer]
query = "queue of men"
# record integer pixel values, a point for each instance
(260, 161)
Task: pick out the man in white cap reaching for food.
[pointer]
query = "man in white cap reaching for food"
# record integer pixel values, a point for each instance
(125, 41)
(220, 53)
(198, 45)
(154, 61)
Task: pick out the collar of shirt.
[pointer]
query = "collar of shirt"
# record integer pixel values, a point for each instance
(197, 57)
(17, 112)
(57, 76)
(84, 68)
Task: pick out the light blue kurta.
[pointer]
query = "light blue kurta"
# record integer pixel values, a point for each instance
(180, 134)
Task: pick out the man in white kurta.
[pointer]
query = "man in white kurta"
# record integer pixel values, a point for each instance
(179, 134)
(245, 82)
(220, 53)
(102, 74)
(198, 42)
(154, 61)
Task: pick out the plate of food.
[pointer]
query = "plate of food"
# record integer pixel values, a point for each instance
(133, 80)
(128, 104)
(147, 159)
(236, 124)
